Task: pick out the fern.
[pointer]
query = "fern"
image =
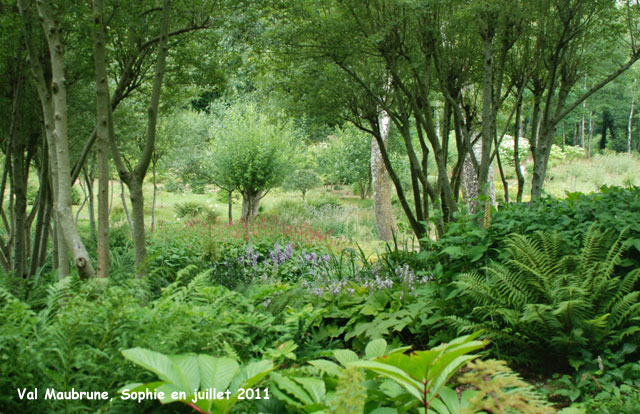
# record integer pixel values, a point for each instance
(558, 301)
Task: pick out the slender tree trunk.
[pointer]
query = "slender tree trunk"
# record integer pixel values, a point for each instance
(630, 128)
(44, 241)
(230, 207)
(59, 90)
(590, 135)
(91, 198)
(137, 218)
(381, 184)
(135, 178)
(15, 151)
(85, 198)
(42, 219)
(487, 101)
(155, 193)
(516, 151)
(124, 206)
(582, 121)
(103, 110)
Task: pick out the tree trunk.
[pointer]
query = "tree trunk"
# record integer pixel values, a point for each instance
(44, 240)
(250, 205)
(124, 206)
(471, 184)
(155, 193)
(42, 219)
(230, 207)
(590, 135)
(381, 184)
(103, 109)
(540, 161)
(59, 90)
(16, 151)
(135, 178)
(90, 196)
(633, 103)
(137, 231)
(517, 133)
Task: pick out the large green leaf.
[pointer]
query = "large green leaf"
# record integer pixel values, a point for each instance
(375, 348)
(155, 362)
(216, 372)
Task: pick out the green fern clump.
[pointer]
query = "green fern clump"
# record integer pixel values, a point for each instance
(544, 303)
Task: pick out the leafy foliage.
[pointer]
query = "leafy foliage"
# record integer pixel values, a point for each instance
(190, 378)
(547, 303)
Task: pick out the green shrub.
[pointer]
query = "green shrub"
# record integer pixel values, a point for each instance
(465, 246)
(193, 209)
(544, 303)
(173, 185)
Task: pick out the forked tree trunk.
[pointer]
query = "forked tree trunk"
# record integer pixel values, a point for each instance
(381, 184)
(135, 178)
(66, 224)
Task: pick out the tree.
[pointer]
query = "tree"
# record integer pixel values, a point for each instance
(53, 98)
(103, 131)
(302, 179)
(134, 177)
(346, 158)
(251, 154)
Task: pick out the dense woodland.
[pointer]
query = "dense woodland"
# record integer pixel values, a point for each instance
(338, 206)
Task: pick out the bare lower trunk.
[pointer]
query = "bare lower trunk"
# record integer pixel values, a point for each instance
(250, 204)
(103, 110)
(44, 240)
(471, 186)
(230, 207)
(125, 207)
(381, 184)
(516, 151)
(155, 192)
(633, 103)
(540, 161)
(42, 222)
(137, 231)
(590, 135)
(92, 210)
